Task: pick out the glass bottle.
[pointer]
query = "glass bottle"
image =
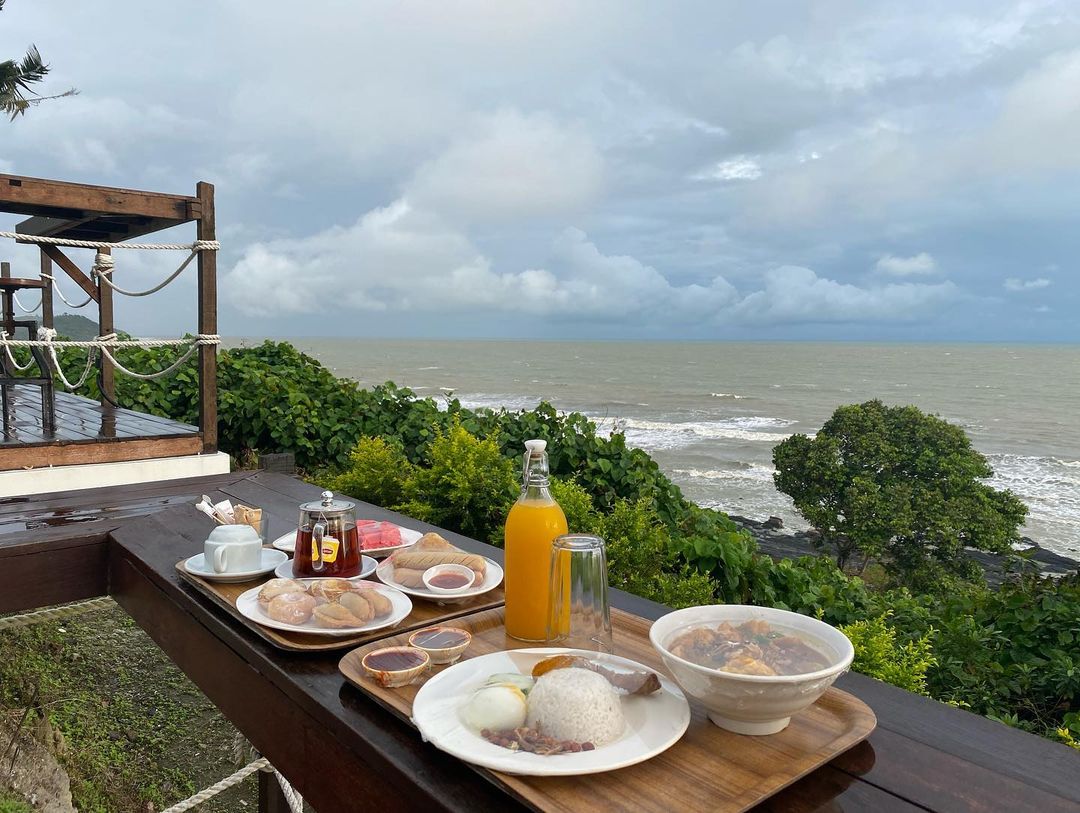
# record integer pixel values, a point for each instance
(532, 525)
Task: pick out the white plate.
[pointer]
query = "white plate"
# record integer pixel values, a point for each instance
(287, 542)
(270, 559)
(248, 605)
(493, 576)
(653, 723)
(367, 567)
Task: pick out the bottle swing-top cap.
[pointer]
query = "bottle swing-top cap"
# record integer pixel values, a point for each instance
(536, 447)
(535, 465)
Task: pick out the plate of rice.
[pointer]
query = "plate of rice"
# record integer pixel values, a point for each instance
(566, 704)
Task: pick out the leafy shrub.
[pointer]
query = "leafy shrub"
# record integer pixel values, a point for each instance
(377, 473)
(900, 486)
(880, 654)
(466, 486)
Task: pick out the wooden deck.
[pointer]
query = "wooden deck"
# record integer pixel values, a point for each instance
(126, 541)
(87, 432)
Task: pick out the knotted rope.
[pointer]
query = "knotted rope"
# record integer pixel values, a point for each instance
(294, 799)
(54, 613)
(105, 345)
(10, 356)
(198, 245)
(68, 302)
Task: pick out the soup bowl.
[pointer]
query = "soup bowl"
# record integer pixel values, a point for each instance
(752, 704)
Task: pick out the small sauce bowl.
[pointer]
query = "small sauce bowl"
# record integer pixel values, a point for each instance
(448, 579)
(443, 644)
(395, 665)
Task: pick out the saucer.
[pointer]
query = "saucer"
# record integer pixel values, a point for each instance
(269, 559)
(367, 567)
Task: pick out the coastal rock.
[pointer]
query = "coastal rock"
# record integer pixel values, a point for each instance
(791, 545)
(774, 523)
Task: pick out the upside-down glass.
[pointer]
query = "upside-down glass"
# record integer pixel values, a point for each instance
(578, 615)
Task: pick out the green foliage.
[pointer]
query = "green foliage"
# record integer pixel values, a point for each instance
(377, 473)
(1011, 652)
(900, 486)
(466, 485)
(576, 504)
(880, 654)
(13, 804)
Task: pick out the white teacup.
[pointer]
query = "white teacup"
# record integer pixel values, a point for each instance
(233, 549)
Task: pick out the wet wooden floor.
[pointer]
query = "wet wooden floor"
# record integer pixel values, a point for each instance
(86, 432)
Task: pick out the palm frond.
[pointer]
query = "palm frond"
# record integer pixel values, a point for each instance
(16, 79)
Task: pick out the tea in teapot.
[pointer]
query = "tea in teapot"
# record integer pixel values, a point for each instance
(326, 540)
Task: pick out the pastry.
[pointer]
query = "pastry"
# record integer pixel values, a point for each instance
(276, 587)
(422, 560)
(432, 541)
(358, 604)
(335, 616)
(328, 590)
(378, 600)
(291, 608)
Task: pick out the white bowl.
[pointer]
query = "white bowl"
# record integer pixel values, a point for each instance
(437, 570)
(752, 704)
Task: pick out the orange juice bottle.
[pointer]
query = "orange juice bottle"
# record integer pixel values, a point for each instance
(533, 523)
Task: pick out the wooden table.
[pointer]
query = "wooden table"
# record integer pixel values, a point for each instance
(343, 752)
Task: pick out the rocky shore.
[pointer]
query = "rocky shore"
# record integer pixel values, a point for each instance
(781, 544)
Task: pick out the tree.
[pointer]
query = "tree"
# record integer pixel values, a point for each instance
(17, 78)
(900, 486)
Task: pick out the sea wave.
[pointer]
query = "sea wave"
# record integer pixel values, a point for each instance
(672, 435)
(741, 471)
(487, 400)
(1049, 485)
(727, 395)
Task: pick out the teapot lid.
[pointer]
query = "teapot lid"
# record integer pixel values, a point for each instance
(328, 505)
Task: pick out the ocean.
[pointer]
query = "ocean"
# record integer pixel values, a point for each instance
(710, 413)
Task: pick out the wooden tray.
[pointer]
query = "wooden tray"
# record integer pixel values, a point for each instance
(424, 614)
(708, 769)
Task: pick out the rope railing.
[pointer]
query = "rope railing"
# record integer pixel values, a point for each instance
(54, 613)
(198, 245)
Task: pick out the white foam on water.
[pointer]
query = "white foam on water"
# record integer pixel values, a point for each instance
(1050, 487)
(672, 435)
(743, 471)
(429, 368)
(486, 400)
(727, 395)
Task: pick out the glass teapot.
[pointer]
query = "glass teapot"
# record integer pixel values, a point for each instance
(326, 540)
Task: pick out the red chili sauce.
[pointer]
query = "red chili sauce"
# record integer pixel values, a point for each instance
(449, 580)
(394, 661)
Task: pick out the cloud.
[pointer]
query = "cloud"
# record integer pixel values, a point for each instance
(509, 166)
(1015, 284)
(740, 168)
(796, 294)
(919, 264)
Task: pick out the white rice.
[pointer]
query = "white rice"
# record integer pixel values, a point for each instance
(575, 704)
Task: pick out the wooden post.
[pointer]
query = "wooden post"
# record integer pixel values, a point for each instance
(46, 292)
(271, 797)
(9, 302)
(106, 325)
(207, 230)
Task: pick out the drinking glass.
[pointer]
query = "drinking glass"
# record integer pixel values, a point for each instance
(578, 613)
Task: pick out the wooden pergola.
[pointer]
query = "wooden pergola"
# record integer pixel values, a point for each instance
(87, 431)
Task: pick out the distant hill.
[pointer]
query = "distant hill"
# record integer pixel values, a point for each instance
(74, 326)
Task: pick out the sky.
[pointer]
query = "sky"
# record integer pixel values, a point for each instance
(698, 169)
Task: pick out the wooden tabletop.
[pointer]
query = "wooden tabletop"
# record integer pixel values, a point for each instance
(342, 751)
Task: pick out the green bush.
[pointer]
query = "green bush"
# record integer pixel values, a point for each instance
(880, 654)
(377, 472)
(466, 485)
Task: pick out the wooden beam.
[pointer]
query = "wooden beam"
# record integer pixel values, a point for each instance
(61, 259)
(37, 196)
(46, 292)
(106, 326)
(66, 454)
(207, 230)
